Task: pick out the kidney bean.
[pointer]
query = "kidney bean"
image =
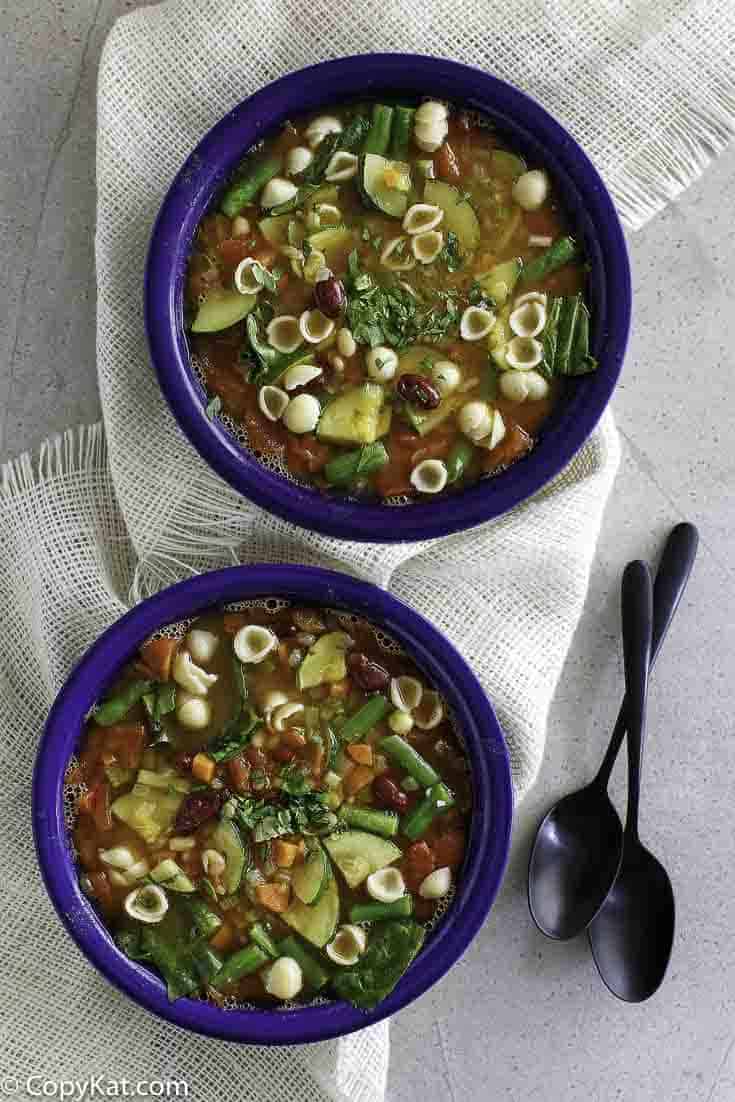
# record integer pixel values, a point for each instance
(417, 863)
(419, 390)
(387, 794)
(370, 676)
(196, 809)
(329, 296)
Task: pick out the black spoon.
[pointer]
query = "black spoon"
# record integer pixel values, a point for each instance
(632, 933)
(577, 849)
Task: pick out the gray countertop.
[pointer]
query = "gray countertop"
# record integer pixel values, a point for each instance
(519, 1017)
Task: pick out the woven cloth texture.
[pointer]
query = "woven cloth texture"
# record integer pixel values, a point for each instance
(108, 516)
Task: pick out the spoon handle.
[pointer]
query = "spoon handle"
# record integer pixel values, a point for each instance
(637, 614)
(672, 576)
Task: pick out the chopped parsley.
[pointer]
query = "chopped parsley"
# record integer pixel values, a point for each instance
(390, 315)
(302, 814)
(234, 736)
(450, 253)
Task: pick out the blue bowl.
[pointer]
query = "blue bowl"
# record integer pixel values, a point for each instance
(490, 826)
(529, 128)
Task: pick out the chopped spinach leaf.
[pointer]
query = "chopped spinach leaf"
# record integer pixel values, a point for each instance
(234, 736)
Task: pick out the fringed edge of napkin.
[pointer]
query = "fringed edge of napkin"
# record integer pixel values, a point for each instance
(701, 126)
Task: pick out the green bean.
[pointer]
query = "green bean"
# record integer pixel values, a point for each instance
(459, 459)
(438, 800)
(364, 719)
(116, 707)
(384, 823)
(170, 961)
(379, 133)
(202, 917)
(560, 253)
(550, 337)
(205, 961)
(375, 912)
(350, 466)
(401, 132)
(260, 937)
(405, 757)
(315, 976)
(238, 195)
(242, 963)
(581, 362)
(566, 332)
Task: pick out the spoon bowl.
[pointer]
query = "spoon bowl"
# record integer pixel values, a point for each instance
(574, 860)
(632, 935)
(577, 850)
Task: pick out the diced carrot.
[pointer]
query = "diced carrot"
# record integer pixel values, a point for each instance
(158, 654)
(284, 853)
(203, 768)
(238, 770)
(223, 938)
(275, 896)
(233, 621)
(266, 254)
(358, 778)
(361, 753)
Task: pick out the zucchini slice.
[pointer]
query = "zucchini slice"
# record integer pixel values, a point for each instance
(316, 922)
(357, 854)
(227, 840)
(375, 176)
(220, 310)
(353, 417)
(459, 214)
(310, 880)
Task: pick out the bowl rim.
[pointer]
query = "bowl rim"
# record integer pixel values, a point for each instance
(490, 829)
(203, 173)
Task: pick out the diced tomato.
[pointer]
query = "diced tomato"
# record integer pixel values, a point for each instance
(102, 889)
(417, 863)
(238, 770)
(231, 252)
(449, 849)
(446, 164)
(158, 654)
(96, 803)
(85, 840)
(516, 444)
(214, 228)
(125, 741)
(306, 454)
(233, 621)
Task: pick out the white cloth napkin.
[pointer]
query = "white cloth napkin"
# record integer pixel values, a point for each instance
(110, 515)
